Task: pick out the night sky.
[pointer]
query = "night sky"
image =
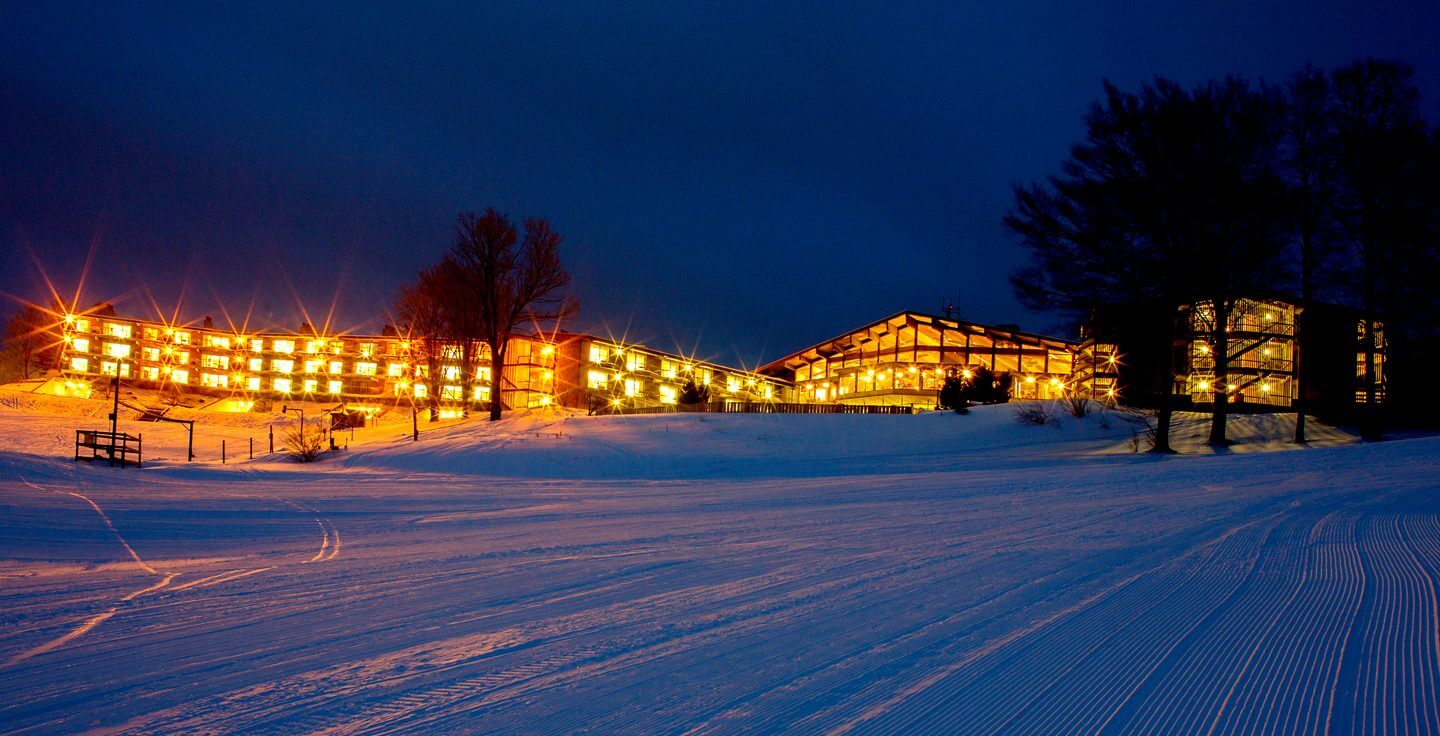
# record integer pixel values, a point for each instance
(748, 180)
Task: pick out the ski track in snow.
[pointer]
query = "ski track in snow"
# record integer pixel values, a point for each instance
(1280, 593)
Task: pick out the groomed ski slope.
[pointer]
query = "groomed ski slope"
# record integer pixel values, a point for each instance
(766, 574)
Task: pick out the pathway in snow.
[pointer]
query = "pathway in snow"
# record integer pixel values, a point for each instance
(1278, 593)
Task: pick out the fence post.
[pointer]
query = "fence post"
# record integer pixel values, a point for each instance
(252, 448)
(222, 452)
(272, 439)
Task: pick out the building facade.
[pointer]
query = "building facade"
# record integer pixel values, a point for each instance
(903, 360)
(1120, 355)
(571, 370)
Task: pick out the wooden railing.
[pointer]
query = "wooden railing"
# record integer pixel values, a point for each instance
(112, 447)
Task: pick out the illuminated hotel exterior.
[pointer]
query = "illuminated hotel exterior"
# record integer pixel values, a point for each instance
(562, 369)
(903, 360)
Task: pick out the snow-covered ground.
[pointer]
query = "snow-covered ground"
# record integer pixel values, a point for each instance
(714, 574)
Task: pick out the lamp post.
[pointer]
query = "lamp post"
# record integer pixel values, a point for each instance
(301, 412)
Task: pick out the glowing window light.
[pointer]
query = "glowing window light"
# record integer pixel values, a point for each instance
(548, 349)
(81, 345)
(912, 370)
(214, 380)
(313, 366)
(253, 383)
(80, 365)
(769, 391)
(336, 367)
(69, 319)
(394, 370)
(634, 361)
(449, 413)
(257, 364)
(117, 350)
(420, 391)
(310, 385)
(180, 376)
(1265, 387)
(483, 373)
(1029, 379)
(314, 346)
(282, 365)
(182, 357)
(180, 337)
(632, 387)
(967, 373)
(480, 393)
(668, 369)
(545, 400)
(257, 345)
(599, 353)
(1204, 385)
(365, 369)
(598, 379)
(150, 373)
(115, 329)
(282, 385)
(1230, 387)
(732, 384)
(450, 372)
(82, 325)
(283, 346)
(217, 341)
(668, 395)
(367, 349)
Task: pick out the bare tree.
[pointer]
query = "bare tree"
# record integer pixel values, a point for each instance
(32, 342)
(514, 280)
(421, 311)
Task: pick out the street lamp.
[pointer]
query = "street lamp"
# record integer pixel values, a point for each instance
(297, 410)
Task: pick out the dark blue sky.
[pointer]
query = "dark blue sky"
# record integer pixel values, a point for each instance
(748, 179)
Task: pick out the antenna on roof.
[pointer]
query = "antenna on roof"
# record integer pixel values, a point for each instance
(951, 308)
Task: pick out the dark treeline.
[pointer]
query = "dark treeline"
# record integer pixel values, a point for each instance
(494, 281)
(1325, 188)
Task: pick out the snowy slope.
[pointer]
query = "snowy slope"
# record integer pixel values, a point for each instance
(797, 574)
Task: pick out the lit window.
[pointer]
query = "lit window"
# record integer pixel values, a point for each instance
(450, 372)
(117, 350)
(257, 345)
(214, 380)
(281, 365)
(181, 338)
(107, 367)
(483, 373)
(450, 392)
(217, 341)
(82, 325)
(336, 367)
(151, 333)
(598, 379)
(313, 366)
(182, 357)
(150, 353)
(80, 365)
(115, 329)
(283, 346)
(365, 369)
(547, 350)
(150, 373)
(420, 391)
(632, 387)
(215, 361)
(599, 353)
(367, 349)
(732, 384)
(311, 385)
(634, 362)
(821, 394)
(668, 369)
(667, 395)
(82, 345)
(335, 387)
(180, 376)
(253, 383)
(394, 370)
(704, 374)
(257, 364)
(314, 346)
(769, 391)
(481, 393)
(282, 385)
